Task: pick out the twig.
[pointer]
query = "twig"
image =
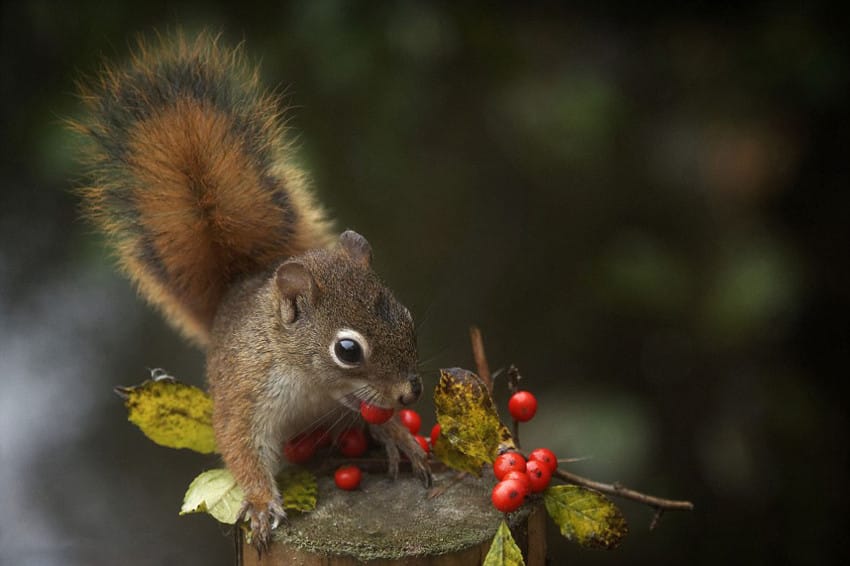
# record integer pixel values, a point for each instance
(513, 386)
(481, 365)
(237, 541)
(659, 504)
(655, 518)
(574, 460)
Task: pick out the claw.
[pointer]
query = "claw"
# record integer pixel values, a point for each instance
(396, 438)
(425, 475)
(263, 518)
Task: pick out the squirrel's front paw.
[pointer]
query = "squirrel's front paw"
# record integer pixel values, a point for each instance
(263, 519)
(395, 437)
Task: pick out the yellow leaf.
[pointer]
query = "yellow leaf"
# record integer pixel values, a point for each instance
(471, 433)
(503, 550)
(171, 413)
(586, 516)
(298, 489)
(217, 493)
(214, 492)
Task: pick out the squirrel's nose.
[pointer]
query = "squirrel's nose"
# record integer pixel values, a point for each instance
(414, 393)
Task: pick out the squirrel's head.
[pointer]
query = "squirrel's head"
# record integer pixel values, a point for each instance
(348, 325)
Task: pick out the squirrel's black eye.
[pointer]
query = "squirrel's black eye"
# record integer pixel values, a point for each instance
(348, 351)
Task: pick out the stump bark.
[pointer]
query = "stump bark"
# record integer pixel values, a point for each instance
(392, 523)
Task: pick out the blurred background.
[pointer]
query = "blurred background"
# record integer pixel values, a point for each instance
(645, 209)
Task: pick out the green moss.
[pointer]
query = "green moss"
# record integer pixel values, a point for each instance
(389, 520)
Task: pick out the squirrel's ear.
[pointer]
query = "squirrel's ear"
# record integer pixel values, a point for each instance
(356, 247)
(293, 281)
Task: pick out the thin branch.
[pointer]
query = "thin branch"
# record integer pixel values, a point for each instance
(481, 365)
(655, 518)
(657, 503)
(513, 386)
(618, 490)
(237, 541)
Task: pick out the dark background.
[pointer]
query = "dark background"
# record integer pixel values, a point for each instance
(645, 209)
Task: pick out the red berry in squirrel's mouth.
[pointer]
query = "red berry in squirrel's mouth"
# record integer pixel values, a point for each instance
(374, 414)
(508, 462)
(545, 456)
(348, 477)
(508, 495)
(411, 420)
(522, 406)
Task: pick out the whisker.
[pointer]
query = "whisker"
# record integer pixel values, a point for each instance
(432, 357)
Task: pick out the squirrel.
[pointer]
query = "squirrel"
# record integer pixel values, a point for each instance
(192, 179)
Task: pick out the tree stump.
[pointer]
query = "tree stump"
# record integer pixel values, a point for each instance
(391, 523)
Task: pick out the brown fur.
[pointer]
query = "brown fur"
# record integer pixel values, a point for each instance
(195, 193)
(191, 181)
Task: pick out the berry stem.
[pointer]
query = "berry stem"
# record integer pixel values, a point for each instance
(513, 386)
(481, 365)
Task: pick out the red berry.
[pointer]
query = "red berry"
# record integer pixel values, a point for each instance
(508, 495)
(538, 475)
(545, 456)
(299, 449)
(352, 442)
(422, 442)
(374, 414)
(411, 420)
(320, 437)
(521, 477)
(435, 434)
(508, 462)
(348, 477)
(522, 406)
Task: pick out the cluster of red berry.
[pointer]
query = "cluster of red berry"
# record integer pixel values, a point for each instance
(518, 476)
(408, 417)
(352, 442)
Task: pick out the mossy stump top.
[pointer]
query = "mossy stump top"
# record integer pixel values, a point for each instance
(386, 522)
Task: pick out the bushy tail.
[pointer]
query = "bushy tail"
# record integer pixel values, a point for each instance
(191, 176)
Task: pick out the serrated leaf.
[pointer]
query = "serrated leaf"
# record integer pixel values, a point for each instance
(172, 414)
(214, 492)
(503, 550)
(471, 433)
(217, 493)
(298, 488)
(586, 516)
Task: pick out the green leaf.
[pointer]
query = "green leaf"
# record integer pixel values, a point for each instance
(217, 493)
(503, 550)
(171, 413)
(298, 488)
(214, 492)
(586, 516)
(471, 433)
